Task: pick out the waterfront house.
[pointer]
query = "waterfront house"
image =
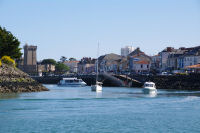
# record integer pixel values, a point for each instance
(123, 65)
(139, 62)
(155, 62)
(173, 58)
(192, 57)
(109, 63)
(73, 65)
(45, 68)
(164, 57)
(86, 65)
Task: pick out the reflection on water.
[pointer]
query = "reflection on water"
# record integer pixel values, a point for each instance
(99, 94)
(150, 95)
(9, 95)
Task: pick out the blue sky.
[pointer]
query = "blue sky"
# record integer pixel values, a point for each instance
(72, 28)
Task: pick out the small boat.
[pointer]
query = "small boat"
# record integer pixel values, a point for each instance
(149, 88)
(72, 82)
(97, 86)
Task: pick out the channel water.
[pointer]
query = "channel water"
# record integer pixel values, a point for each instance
(114, 110)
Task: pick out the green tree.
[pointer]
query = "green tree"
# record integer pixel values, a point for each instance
(63, 58)
(49, 61)
(9, 44)
(61, 68)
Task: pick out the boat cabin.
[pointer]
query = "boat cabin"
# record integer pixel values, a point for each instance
(149, 84)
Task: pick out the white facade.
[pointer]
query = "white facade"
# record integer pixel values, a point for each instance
(127, 50)
(191, 60)
(141, 67)
(164, 58)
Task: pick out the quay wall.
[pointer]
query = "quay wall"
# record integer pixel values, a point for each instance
(177, 82)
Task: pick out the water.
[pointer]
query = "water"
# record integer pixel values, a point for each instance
(115, 110)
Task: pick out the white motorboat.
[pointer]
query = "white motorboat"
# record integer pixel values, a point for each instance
(97, 86)
(149, 88)
(72, 82)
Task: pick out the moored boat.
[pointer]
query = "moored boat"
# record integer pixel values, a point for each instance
(149, 87)
(72, 82)
(97, 86)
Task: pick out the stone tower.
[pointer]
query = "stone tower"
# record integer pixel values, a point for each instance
(30, 60)
(30, 55)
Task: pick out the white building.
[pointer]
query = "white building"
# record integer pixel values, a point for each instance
(127, 50)
(191, 60)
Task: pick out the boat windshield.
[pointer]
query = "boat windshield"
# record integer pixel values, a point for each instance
(148, 85)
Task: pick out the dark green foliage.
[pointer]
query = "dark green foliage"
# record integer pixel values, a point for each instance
(9, 44)
(49, 61)
(63, 58)
(61, 68)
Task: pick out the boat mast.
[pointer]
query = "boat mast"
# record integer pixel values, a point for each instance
(97, 63)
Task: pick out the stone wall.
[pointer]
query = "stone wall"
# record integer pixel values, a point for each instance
(177, 82)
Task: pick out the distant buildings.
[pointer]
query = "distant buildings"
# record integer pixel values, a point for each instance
(86, 65)
(131, 60)
(179, 59)
(73, 65)
(126, 50)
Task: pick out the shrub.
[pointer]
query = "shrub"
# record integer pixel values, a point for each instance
(8, 60)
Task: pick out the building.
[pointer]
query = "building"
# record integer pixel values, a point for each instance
(73, 65)
(123, 65)
(164, 57)
(109, 63)
(155, 62)
(139, 62)
(28, 63)
(45, 68)
(86, 65)
(173, 57)
(192, 57)
(126, 50)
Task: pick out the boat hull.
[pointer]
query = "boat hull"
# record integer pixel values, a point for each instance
(96, 88)
(149, 90)
(72, 85)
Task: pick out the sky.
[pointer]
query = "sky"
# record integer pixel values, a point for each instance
(73, 28)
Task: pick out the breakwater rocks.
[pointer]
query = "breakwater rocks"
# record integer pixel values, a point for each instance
(14, 80)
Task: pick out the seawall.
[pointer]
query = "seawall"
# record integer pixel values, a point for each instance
(175, 82)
